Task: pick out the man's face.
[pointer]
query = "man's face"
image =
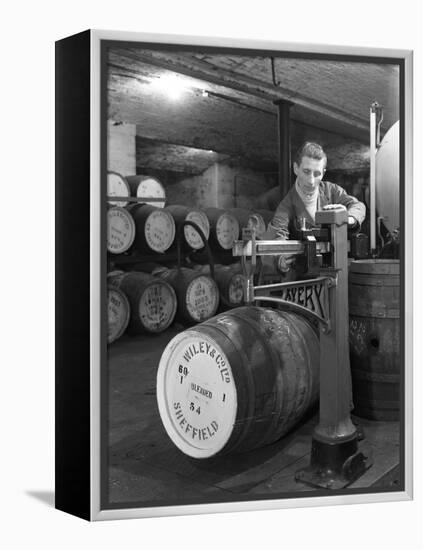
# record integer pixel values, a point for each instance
(309, 173)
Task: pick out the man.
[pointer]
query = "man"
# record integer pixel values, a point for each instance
(310, 193)
(297, 210)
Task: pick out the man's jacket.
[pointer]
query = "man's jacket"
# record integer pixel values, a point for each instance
(288, 217)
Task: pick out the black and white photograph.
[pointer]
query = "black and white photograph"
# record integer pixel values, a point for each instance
(253, 275)
(211, 275)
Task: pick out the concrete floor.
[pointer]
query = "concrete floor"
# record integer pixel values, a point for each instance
(146, 468)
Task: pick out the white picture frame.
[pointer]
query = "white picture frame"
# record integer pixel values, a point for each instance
(81, 361)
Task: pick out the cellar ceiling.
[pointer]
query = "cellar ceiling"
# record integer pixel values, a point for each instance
(192, 109)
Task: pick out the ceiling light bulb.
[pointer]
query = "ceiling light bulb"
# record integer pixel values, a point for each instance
(171, 85)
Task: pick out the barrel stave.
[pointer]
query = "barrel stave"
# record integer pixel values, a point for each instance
(252, 364)
(289, 388)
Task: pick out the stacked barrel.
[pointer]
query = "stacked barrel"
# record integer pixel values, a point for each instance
(139, 223)
(118, 311)
(188, 285)
(141, 302)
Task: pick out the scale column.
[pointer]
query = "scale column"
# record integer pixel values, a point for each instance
(336, 460)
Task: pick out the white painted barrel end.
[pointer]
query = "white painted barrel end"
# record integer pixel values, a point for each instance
(196, 394)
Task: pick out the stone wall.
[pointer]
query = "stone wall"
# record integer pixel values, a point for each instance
(221, 186)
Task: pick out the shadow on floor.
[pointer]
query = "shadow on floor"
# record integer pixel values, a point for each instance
(46, 497)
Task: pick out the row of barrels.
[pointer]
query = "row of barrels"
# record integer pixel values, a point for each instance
(145, 223)
(148, 229)
(147, 188)
(140, 302)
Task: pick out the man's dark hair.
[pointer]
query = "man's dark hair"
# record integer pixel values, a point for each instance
(311, 150)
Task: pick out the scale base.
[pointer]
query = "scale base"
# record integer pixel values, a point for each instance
(336, 465)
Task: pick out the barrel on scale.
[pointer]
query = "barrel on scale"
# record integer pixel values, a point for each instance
(155, 228)
(374, 308)
(238, 381)
(197, 293)
(147, 187)
(152, 301)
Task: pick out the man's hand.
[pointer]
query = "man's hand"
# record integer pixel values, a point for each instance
(285, 262)
(273, 264)
(334, 207)
(351, 220)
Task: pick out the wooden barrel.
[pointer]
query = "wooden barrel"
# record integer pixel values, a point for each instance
(117, 186)
(238, 381)
(224, 228)
(147, 187)
(152, 301)
(230, 281)
(155, 228)
(118, 313)
(120, 230)
(197, 293)
(180, 214)
(259, 220)
(374, 308)
(242, 215)
(192, 237)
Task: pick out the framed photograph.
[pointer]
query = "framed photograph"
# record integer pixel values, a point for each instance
(233, 275)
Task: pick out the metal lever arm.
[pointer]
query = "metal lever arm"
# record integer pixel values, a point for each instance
(274, 248)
